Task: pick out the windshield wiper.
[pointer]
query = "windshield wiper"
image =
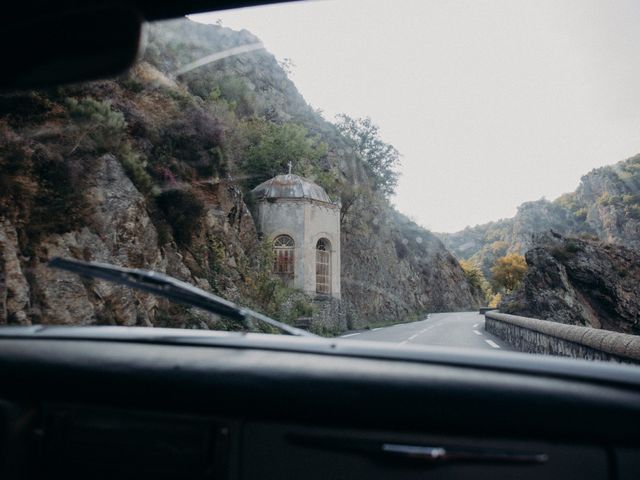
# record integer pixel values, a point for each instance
(170, 288)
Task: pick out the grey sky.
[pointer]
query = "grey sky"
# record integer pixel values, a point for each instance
(491, 103)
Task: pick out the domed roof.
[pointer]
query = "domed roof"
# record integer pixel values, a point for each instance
(290, 186)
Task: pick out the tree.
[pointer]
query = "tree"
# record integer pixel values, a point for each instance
(98, 128)
(273, 146)
(507, 272)
(381, 158)
(495, 300)
(476, 278)
(349, 195)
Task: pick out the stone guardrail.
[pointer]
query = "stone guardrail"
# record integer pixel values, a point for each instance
(543, 336)
(484, 310)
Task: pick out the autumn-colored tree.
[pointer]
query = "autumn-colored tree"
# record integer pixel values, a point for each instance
(495, 300)
(507, 272)
(476, 278)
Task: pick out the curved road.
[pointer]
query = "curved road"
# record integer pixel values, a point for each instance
(456, 329)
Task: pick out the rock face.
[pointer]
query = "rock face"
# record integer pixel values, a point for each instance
(400, 269)
(118, 230)
(14, 288)
(580, 282)
(609, 200)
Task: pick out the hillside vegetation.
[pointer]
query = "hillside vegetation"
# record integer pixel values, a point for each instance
(153, 171)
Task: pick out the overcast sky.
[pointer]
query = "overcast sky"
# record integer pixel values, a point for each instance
(491, 103)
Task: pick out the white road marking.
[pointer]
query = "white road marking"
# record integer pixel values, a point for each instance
(428, 328)
(402, 343)
(477, 332)
(413, 336)
(374, 329)
(350, 334)
(492, 343)
(475, 325)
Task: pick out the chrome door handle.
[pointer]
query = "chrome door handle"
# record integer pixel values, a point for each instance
(431, 454)
(462, 454)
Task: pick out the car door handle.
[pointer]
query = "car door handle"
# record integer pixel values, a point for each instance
(462, 454)
(430, 454)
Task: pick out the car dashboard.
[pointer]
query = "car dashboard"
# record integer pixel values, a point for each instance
(135, 403)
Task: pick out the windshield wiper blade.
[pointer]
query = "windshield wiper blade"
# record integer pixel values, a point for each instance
(171, 289)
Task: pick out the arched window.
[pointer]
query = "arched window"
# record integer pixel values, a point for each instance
(323, 267)
(283, 248)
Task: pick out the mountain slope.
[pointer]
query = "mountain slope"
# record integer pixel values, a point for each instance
(153, 171)
(606, 205)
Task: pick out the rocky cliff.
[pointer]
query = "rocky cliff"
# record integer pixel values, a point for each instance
(392, 265)
(117, 227)
(150, 171)
(608, 201)
(580, 282)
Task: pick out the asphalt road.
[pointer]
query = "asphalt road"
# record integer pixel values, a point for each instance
(457, 329)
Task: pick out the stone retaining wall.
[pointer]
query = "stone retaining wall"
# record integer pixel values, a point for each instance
(543, 336)
(329, 316)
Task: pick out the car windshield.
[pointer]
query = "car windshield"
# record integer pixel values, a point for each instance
(422, 173)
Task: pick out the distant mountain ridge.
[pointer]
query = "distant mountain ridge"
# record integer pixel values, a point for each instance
(605, 205)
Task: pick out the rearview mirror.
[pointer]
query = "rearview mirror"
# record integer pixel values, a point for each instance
(68, 47)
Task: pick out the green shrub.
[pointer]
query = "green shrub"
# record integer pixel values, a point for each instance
(272, 147)
(324, 330)
(513, 307)
(476, 278)
(301, 308)
(131, 83)
(99, 128)
(588, 236)
(568, 201)
(633, 211)
(192, 144)
(581, 213)
(607, 199)
(380, 158)
(573, 246)
(135, 166)
(236, 91)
